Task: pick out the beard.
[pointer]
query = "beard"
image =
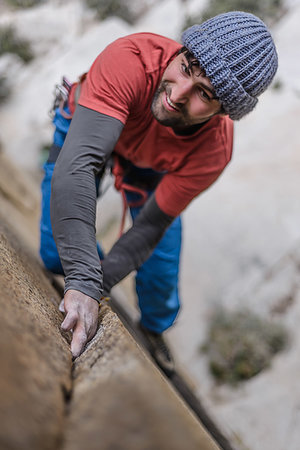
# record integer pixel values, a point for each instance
(180, 121)
(165, 118)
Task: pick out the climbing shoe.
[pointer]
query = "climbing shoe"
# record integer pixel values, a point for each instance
(158, 349)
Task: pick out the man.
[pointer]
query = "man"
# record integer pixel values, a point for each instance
(166, 114)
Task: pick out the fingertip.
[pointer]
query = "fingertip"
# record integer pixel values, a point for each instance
(78, 343)
(61, 307)
(75, 351)
(63, 327)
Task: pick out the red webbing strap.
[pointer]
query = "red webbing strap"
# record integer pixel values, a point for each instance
(63, 112)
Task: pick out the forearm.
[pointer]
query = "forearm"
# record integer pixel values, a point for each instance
(90, 141)
(135, 246)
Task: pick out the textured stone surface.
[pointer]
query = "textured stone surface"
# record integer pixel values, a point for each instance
(233, 232)
(19, 203)
(121, 402)
(35, 359)
(118, 400)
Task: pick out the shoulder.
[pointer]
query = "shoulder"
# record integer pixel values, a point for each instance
(152, 50)
(125, 73)
(217, 138)
(146, 41)
(226, 131)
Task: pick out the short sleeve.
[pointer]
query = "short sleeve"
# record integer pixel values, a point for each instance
(116, 82)
(174, 193)
(199, 171)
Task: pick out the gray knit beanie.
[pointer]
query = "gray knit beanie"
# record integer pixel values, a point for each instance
(238, 54)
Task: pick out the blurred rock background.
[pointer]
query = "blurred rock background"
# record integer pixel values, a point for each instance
(241, 237)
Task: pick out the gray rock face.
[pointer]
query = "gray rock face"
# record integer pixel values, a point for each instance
(35, 360)
(120, 402)
(111, 398)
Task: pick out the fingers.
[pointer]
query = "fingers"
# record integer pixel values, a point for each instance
(69, 322)
(79, 340)
(82, 318)
(83, 332)
(92, 330)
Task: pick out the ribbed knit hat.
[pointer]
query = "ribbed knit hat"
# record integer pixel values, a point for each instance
(238, 54)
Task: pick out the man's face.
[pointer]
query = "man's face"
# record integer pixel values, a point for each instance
(185, 96)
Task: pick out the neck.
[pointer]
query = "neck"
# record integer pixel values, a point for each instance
(186, 131)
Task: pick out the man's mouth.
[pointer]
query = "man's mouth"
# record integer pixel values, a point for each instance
(169, 104)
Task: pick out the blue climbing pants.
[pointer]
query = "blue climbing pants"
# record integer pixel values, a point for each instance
(156, 279)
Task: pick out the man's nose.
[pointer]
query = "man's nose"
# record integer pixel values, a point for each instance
(181, 91)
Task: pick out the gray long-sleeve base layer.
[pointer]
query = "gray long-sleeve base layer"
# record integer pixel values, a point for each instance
(89, 143)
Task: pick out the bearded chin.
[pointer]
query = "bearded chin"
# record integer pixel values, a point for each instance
(157, 110)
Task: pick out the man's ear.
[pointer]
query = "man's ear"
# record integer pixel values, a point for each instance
(222, 112)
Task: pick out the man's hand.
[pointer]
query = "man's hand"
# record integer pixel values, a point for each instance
(82, 317)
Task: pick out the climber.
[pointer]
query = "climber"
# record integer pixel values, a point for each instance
(163, 113)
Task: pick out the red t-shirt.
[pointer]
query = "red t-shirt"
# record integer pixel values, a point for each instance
(121, 83)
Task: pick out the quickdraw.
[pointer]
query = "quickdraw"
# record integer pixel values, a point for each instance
(61, 96)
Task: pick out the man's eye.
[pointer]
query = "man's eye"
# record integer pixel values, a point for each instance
(185, 68)
(203, 94)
